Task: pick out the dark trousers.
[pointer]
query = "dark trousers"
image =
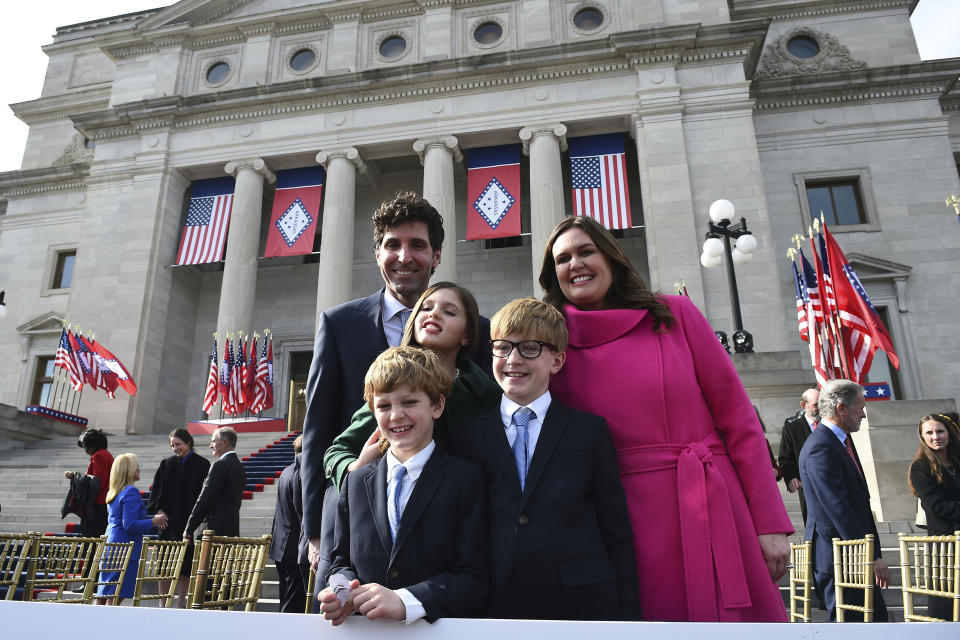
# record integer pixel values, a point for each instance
(293, 593)
(851, 596)
(94, 524)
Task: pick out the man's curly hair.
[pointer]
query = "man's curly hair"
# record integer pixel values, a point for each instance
(407, 207)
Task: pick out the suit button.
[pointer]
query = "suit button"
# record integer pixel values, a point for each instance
(523, 519)
(394, 573)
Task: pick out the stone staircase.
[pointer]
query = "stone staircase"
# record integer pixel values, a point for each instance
(32, 486)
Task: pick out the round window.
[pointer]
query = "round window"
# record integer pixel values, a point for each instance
(303, 59)
(803, 47)
(588, 19)
(393, 47)
(487, 33)
(218, 72)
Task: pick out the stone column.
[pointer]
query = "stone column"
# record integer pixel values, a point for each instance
(239, 285)
(335, 284)
(544, 143)
(437, 156)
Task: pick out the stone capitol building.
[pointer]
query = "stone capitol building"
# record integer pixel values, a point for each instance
(771, 104)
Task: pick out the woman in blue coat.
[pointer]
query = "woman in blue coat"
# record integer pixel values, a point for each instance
(127, 520)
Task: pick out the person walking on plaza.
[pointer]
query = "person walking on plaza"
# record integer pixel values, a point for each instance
(222, 492)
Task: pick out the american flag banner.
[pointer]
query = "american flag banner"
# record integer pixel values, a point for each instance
(112, 363)
(226, 372)
(236, 379)
(260, 381)
(296, 209)
(208, 216)
(598, 177)
(65, 360)
(210, 393)
(863, 330)
(86, 374)
(819, 342)
(493, 192)
(800, 291)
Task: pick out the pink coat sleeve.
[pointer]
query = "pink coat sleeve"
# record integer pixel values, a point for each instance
(734, 417)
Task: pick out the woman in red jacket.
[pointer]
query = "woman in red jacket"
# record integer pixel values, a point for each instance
(94, 441)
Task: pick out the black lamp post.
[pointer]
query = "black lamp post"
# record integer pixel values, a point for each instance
(717, 243)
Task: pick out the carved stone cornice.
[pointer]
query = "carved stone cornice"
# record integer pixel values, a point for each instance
(447, 143)
(256, 164)
(833, 56)
(556, 129)
(70, 177)
(349, 153)
(793, 9)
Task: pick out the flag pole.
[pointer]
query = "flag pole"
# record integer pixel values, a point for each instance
(835, 326)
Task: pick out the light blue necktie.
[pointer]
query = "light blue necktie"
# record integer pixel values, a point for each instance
(521, 418)
(404, 316)
(399, 472)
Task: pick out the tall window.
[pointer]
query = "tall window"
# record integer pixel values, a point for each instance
(63, 272)
(42, 381)
(840, 201)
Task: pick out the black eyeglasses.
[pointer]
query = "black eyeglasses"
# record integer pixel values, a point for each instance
(529, 349)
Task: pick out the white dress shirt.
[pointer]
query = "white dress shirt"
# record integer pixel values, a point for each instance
(392, 326)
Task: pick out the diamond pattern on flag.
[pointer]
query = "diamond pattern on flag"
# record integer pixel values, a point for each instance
(494, 203)
(293, 222)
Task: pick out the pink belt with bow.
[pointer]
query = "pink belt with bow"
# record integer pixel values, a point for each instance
(707, 529)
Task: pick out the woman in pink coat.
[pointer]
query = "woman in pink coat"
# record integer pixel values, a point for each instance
(710, 528)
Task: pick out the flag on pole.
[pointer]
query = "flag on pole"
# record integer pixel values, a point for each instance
(250, 374)
(800, 291)
(493, 192)
(236, 379)
(210, 393)
(819, 342)
(863, 329)
(296, 209)
(260, 379)
(598, 177)
(65, 360)
(205, 232)
(112, 363)
(226, 372)
(105, 378)
(86, 374)
(268, 384)
(91, 371)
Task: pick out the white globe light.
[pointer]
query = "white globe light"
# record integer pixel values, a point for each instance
(722, 210)
(713, 247)
(746, 243)
(709, 261)
(739, 257)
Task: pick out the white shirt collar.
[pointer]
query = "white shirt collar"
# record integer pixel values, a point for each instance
(539, 407)
(391, 306)
(414, 465)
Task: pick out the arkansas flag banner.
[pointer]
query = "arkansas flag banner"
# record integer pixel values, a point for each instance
(205, 232)
(493, 192)
(296, 209)
(598, 177)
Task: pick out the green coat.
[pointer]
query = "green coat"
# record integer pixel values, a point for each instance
(474, 393)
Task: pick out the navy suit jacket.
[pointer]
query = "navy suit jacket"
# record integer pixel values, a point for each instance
(440, 554)
(349, 338)
(792, 438)
(287, 515)
(563, 547)
(838, 501)
(220, 498)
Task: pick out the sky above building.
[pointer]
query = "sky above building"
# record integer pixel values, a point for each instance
(27, 26)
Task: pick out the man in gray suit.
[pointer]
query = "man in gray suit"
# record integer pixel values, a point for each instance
(219, 501)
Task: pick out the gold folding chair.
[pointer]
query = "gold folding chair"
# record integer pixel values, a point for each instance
(853, 569)
(228, 572)
(110, 565)
(160, 561)
(800, 582)
(930, 566)
(14, 553)
(58, 565)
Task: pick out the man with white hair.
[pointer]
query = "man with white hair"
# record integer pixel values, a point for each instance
(222, 493)
(838, 501)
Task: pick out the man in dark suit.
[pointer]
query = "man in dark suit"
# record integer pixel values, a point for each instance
(795, 432)
(407, 238)
(837, 496)
(285, 548)
(219, 501)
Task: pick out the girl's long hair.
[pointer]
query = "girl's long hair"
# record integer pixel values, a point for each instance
(951, 422)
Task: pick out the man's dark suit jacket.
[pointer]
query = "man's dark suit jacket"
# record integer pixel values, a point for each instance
(219, 501)
(349, 338)
(285, 546)
(795, 432)
(440, 554)
(838, 504)
(562, 548)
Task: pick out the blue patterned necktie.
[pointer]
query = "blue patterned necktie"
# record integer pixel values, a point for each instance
(521, 418)
(404, 316)
(399, 472)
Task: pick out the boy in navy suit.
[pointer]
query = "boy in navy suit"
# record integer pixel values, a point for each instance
(410, 530)
(560, 538)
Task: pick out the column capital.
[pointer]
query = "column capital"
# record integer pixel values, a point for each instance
(348, 153)
(557, 129)
(449, 143)
(256, 164)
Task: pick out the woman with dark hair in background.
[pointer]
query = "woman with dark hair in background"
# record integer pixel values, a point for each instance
(176, 486)
(93, 520)
(708, 521)
(935, 479)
